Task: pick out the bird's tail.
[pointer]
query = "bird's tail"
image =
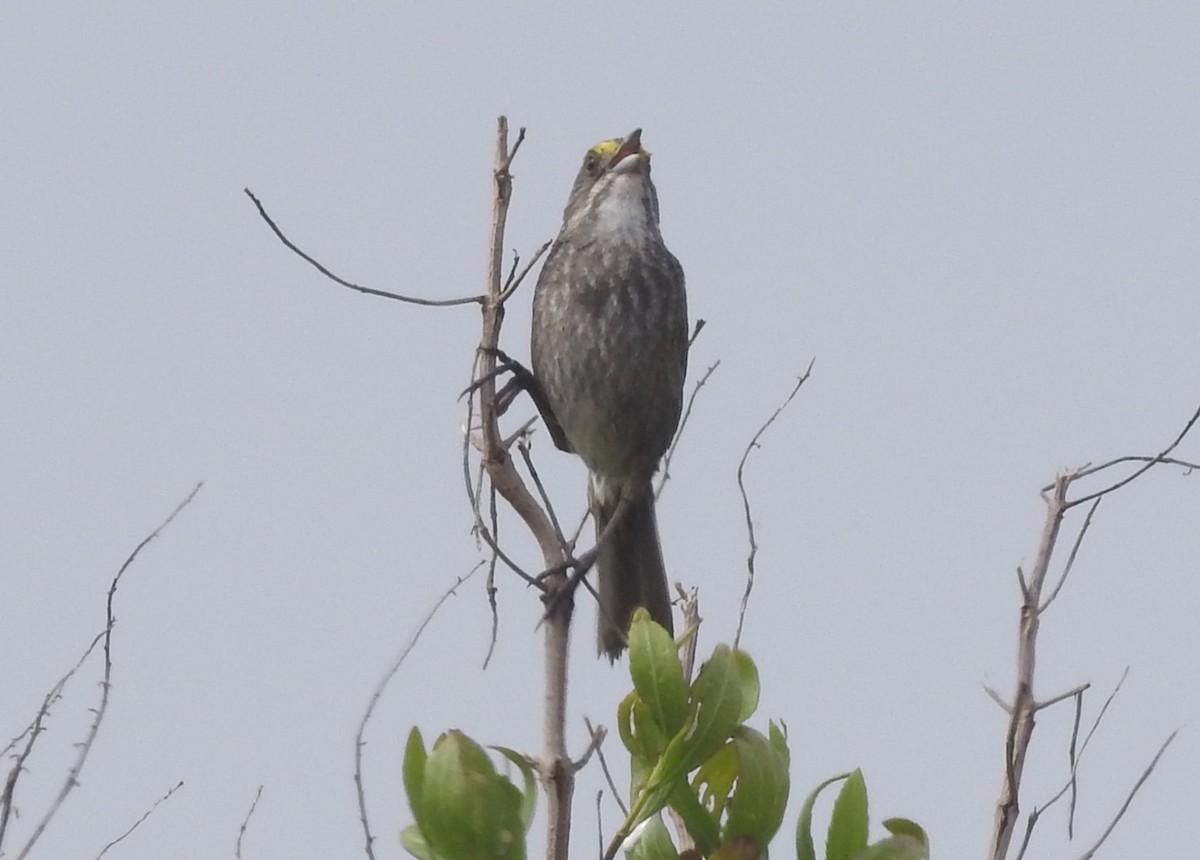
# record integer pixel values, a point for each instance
(629, 565)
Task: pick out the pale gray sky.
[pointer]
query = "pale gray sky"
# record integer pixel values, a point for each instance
(981, 219)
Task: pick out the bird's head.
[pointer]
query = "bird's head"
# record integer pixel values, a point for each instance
(613, 187)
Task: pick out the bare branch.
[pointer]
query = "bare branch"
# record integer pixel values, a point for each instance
(31, 733)
(683, 422)
(412, 300)
(1073, 752)
(1054, 700)
(995, 696)
(359, 743)
(516, 278)
(1030, 823)
(1023, 705)
(1149, 464)
(145, 815)
(1087, 524)
(555, 767)
(85, 746)
(1089, 469)
(523, 447)
(491, 588)
(597, 736)
(1103, 710)
(1076, 752)
(612, 786)
(746, 499)
(1091, 852)
(246, 823)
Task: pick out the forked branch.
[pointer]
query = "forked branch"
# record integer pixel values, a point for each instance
(1024, 706)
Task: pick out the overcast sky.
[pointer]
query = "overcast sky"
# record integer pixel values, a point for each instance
(980, 219)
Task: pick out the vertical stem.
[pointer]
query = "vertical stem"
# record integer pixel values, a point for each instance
(1024, 705)
(556, 769)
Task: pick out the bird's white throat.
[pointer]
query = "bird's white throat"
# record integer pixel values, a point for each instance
(622, 212)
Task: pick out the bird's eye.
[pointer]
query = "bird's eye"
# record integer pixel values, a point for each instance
(591, 162)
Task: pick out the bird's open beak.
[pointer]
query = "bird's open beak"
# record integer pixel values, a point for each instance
(631, 145)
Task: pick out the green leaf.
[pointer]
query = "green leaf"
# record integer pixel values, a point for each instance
(748, 675)
(702, 825)
(413, 841)
(648, 737)
(717, 699)
(657, 673)
(848, 824)
(651, 842)
(653, 794)
(804, 842)
(414, 770)
(779, 741)
(903, 847)
(714, 780)
(625, 722)
(468, 810)
(761, 795)
(904, 827)
(529, 795)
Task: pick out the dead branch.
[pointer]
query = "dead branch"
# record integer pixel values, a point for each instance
(1024, 706)
(1083, 530)
(555, 768)
(1149, 463)
(85, 746)
(376, 695)
(683, 422)
(237, 853)
(32, 733)
(145, 815)
(753, 444)
(412, 300)
(1091, 852)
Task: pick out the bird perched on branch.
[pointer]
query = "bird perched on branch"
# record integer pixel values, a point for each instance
(610, 342)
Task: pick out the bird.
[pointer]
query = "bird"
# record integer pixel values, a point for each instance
(609, 352)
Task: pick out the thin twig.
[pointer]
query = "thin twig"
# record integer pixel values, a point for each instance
(597, 736)
(599, 823)
(514, 281)
(683, 422)
(359, 743)
(412, 300)
(85, 746)
(1091, 852)
(492, 589)
(1076, 756)
(523, 447)
(31, 735)
(246, 823)
(1073, 763)
(1024, 707)
(746, 499)
(145, 815)
(1042, 704)
(612, 786)
(1030, 823)
(995, 696)
(1089, 469)
(1087, 524)
(1149, 464)
(1103, 710)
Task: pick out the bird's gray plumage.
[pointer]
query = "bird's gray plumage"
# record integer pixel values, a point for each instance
(609, 350)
